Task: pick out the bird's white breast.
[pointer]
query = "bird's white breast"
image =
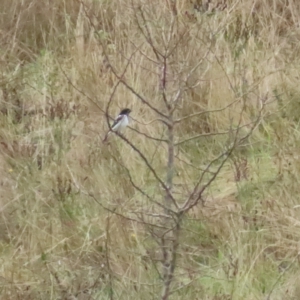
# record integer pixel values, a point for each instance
(122, 124)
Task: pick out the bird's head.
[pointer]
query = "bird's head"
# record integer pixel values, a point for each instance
(125, 111)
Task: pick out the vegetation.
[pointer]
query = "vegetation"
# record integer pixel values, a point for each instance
(199, 199)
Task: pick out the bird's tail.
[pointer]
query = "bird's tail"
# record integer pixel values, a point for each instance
(106, 137)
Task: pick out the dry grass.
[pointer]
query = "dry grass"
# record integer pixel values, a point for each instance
(67, 204)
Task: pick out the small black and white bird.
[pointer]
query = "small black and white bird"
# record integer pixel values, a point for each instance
(120, 122)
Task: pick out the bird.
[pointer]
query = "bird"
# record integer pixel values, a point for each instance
(119, 123)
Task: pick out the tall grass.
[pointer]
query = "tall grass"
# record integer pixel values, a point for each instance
(58, 242)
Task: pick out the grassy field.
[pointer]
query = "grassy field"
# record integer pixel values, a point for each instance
(79, 218)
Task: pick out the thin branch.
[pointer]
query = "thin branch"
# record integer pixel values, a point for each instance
(147, 57)
(191, 165)
(115, 89)
(78, 90)
(187, 205)
(163, 82)
(151, 199)
(152, 121)
(148, 136)
(206, 112)
(214, 133)
(203, 135)
(181, 36)
(140, 215)
(113, 211)
(133, 91)
(120, 78)
(142, 156)
(147, 37)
